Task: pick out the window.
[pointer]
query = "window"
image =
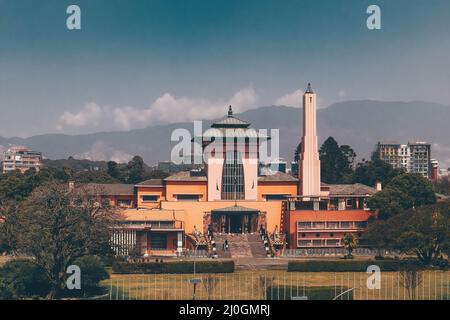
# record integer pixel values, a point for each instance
(158, 241)
(332, 225)
(233, 177)
(304, 243)
(303, 225)
(124, 202)
(319, 225)
(275, 197)
(346, 225)
(188, 197)
(332, 242)
(349, 202)
(150, 198)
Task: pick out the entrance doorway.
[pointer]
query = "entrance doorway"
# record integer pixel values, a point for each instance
(237, 222)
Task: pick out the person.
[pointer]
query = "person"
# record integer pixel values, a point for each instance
(226, 244)
(223, 246)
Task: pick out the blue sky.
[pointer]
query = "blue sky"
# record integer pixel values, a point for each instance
(137, 63)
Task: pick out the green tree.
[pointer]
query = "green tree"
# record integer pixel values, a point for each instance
(22, 279)
(370, 172)
(8, 236)
(350, 242)
(113, 170)
(136, 170)
(423, 231)
(57, 225)
(93, 177)
(403, 192)
(336, 162)
(379, 236)
(92, 272)
(442, 186)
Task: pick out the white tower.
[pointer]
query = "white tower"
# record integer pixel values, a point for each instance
(309, 166)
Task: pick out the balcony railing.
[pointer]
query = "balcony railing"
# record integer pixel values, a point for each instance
(153, 225)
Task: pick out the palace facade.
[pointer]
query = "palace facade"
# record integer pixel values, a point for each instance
(231, 197)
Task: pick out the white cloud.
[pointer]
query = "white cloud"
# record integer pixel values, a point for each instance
(293, 99)
(90, 114)
(166, 108)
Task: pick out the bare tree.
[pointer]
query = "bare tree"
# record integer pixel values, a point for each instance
(410, 278)
(262, 284)
(210, 283)
(57, 224)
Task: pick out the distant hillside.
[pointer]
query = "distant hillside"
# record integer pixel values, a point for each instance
(357, 123)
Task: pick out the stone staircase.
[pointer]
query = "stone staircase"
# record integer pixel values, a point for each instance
(256, 246)
(240, 246)
(220, 240)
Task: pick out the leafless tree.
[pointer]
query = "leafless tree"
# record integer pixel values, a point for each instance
(210, 283)
(263, 283)
(410, 278)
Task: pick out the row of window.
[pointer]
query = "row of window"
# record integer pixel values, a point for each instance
(196, 197)
(180, 197)
(331, 235)
(318, 243)
(332, 225)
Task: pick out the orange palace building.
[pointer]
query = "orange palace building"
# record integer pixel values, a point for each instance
(231, 197)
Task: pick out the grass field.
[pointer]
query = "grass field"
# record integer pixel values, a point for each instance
(250, 285)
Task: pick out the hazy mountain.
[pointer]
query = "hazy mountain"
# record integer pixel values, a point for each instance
(357, 123)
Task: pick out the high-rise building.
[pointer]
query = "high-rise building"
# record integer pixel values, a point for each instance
(22, 159)
(414, 157)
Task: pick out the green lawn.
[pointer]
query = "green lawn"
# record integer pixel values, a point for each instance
(250, 285)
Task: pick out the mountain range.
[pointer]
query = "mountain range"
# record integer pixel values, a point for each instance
(360, 124)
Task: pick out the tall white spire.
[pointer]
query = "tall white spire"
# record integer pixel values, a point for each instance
(309, 166)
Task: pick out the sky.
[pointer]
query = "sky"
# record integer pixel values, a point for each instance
(137, 63)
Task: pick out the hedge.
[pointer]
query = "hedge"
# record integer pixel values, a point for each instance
(311, 293)
(179, 267)
(348, 265)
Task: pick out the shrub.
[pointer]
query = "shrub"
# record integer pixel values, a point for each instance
(22, 279)
(174, 267)
(312, 293)
(346, 265)
(92, 272)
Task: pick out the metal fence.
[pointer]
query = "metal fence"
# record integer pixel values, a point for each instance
(278, 285)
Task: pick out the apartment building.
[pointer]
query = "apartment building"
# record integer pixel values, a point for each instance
(414, 157)
(22, 159)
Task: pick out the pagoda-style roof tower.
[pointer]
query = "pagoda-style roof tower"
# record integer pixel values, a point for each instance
(230, 122)
(231, 127)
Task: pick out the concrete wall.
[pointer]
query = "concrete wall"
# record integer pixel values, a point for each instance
(276, 188)
(186, 187)
(150, 191)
